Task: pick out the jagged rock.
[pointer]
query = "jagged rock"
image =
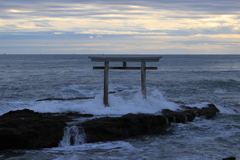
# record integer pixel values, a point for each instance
(64, 99)
(130, 125)
(189, 113)
(77, 114)
(208, 112)
(26, 129)
(117, 128)
(229, 158)
(179, 116)
(73, 98)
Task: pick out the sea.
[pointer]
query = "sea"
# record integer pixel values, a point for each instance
(195, 80)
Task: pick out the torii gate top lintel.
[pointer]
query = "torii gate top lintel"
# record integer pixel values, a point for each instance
(124, 58)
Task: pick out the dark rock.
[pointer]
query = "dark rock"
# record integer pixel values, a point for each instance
(64, 99)
(112, 92)
(130, 125)
(72, 98)
(77, 114)
(229, 158)
(208, 112)
(189, 113)
(117, 128)
(178, 116)
(26, 129)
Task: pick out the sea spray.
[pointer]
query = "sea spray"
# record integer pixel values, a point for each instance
(73, 135)
(167, 121)
(119, 105)
(12, 106)
(222, 109)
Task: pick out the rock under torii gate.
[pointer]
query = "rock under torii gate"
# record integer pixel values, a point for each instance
(124, 59)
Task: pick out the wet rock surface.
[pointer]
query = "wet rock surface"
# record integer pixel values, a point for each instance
(229, 158)
(64, 99)
(189, 113)
(130, 125)
(117, 128)
(26, 129)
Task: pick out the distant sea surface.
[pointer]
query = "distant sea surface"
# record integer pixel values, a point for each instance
(195, 80)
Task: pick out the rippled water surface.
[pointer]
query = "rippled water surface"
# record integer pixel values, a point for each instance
(196, 80)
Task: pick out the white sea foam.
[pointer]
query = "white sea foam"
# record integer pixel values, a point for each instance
(227, 110)
(222, 109)
(90, 146)
(73, 135)
(79, 88)
(113, 149)
(155, 102)
(220, 91)
(12, 106)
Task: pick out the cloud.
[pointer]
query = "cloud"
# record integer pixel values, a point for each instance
(151, 25)
(108, 32)
(123, 17)
(58, 33)
(46, 42)
(128, 15)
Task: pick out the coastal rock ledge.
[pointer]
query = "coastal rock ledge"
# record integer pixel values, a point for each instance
(26, 129)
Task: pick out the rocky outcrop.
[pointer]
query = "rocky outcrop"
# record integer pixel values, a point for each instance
(189, 113)
(64, 99)
(26, 129)
(72, 98)
(229, 158)
(117, 128)
(130, 125)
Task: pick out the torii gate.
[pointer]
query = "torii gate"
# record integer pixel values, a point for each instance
(124, 59)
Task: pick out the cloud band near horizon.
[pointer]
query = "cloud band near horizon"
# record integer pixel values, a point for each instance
(136, 27)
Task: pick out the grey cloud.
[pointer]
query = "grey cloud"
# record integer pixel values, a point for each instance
(195, 42)
(213, 42)
(47, 8)
(40, 24)
(191, 5)
(213, 7)
(62, 8)
(186, 16)
(212, 31)
(7, 17)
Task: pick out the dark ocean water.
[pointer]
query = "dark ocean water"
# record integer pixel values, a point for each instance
(193, 79)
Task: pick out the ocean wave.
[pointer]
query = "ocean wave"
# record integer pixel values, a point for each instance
(222, 109)
(118, 105)
(155, 102)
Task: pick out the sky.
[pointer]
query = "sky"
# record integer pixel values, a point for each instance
(119, 27)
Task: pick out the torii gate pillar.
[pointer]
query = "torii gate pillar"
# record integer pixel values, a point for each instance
(124, 59)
